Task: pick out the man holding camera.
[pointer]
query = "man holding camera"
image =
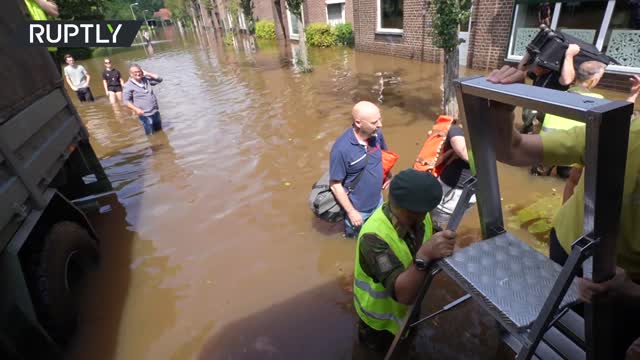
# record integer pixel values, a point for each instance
(567, 147)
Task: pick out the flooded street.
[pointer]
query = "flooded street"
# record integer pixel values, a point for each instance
(211, 251)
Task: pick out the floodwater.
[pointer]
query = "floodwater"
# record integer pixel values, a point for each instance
(210, 250)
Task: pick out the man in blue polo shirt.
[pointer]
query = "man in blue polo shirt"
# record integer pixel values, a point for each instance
(359, 150)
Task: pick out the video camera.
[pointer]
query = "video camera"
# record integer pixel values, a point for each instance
(547, 50)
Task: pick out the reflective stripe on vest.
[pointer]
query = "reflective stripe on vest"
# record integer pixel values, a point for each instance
(37, 14)
(377, 316)
(553, 122)
(35, 11)
(372, 301)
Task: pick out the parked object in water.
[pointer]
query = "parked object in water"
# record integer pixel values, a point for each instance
(47, 244)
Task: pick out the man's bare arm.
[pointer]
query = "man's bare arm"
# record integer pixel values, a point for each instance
(49, 7)
(568, 72)
(135, 109)
(341, 196)
(511, 147)
(459, 146)
(635, 89)
(68, 79)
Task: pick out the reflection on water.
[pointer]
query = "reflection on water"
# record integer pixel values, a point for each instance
(211, 252)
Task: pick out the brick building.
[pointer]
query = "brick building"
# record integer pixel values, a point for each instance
(314, 11)
(499, 30)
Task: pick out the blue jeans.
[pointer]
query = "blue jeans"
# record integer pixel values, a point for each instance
(351, 231)
(151, 123)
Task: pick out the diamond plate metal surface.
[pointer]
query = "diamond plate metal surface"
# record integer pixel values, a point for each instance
(511, 278)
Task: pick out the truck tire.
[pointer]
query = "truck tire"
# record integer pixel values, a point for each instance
(69, 253)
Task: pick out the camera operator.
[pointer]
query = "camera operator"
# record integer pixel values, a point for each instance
(545, 78)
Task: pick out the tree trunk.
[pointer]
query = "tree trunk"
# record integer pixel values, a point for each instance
(304, 57)
(206, 19)
(214, 18)
(180, 28)
(278, 6)
(451, 72)
(197, 26)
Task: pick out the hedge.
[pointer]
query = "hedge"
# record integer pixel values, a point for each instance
(265, 30)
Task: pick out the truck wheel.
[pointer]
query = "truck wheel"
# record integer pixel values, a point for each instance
(67, 256)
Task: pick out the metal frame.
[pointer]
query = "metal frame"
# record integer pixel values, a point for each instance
(606, 143)
(605, 151)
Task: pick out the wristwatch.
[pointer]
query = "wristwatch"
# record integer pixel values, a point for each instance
(421, 264)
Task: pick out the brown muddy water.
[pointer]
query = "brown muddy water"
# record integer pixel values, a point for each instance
(210, 250)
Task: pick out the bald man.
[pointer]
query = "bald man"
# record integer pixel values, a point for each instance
(355, 167)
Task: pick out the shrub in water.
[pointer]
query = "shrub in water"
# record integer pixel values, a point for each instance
(228, 39)
(344, 34)
(265, 30)
(320, 35)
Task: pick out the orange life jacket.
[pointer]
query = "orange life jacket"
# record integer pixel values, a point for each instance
(431, 157)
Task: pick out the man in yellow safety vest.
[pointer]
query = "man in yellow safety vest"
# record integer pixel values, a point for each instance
(393, 252)
(43, 10)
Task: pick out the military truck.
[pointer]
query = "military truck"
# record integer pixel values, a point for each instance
(47, 168)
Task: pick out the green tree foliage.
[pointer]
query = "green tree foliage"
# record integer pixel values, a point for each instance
(120, 9)
(228, 39)
(449, 14)
(178, 9)
(344, 34)
(233, 8)
(448, 17)
(81, 9)
(320, 35)
(247, 9)
(324, 35)
(295, 7)
(265, 30)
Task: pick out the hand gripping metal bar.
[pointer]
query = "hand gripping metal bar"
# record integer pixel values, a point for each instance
(461, 207)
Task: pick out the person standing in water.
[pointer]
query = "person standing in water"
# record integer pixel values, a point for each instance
(112, 81)
(138, 93)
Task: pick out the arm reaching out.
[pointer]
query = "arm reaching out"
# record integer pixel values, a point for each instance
(511, 147)
(568, 73)
(635, 89)
(49, 7)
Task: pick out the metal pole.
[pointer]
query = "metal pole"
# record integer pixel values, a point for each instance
(474, 111)
(606, 152)
(132, 13)
(134, 18)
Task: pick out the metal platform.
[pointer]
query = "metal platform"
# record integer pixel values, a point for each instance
(522, 289)
(507, 277)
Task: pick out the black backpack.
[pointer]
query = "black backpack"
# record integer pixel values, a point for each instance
(322, 201)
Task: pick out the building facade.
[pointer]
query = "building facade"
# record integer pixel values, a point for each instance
(288, 26)
(499, 30)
